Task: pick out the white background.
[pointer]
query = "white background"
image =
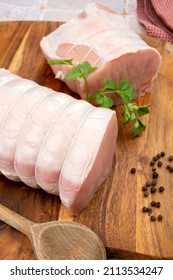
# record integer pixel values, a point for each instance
(62, 10)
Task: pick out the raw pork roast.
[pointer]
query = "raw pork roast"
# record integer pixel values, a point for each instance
(103, 38)
(53, 141)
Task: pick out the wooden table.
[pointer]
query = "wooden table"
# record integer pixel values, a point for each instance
(115, 211)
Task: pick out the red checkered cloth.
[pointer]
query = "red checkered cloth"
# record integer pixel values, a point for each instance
(164, 8)
(157, 18)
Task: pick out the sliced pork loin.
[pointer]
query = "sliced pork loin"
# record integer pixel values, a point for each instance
(103, 38)
(50, 140)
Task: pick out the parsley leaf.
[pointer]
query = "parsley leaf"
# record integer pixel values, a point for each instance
(61, 61)
(126, 114)
(75, 73)
(104, 101)
(127, 92)
(139, 127)
(86, 68)
(143, 110)
(109, 85)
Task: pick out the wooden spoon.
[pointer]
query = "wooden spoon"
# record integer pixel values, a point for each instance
(57, 240)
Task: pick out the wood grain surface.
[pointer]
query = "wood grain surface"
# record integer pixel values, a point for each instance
(115, 211)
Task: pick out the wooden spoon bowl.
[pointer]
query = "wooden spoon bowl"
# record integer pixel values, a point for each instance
(57, 240)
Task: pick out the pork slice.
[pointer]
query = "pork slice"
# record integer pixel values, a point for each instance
(6, 78)
(56, 144)
(15, 93)
(12, 126)
(106, 42)
(89, 159)
(8, 95)
(10, 175)
(34, 132)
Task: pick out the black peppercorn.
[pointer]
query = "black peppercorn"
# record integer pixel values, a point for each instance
(153, 190)
(152, 163)
(153, 203)
(133, 170)
(158, 204)
(144, 188)
(170, 158)
(154, 169)
(160, 217)
(162, 154)
(154, 183)
(171, 169)
(149, 210)
(144, 209)
(155, 158)
(146, 193)
(159, 164)
(159, 155)
(161, 189)
(152, 218)
(155, 175)
(168, 166)
(148, 183)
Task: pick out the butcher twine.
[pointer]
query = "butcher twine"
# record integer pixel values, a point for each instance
(157, 17)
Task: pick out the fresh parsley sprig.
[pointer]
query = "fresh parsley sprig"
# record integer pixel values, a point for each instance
(79, 71)
(102, 97)
(131, 112)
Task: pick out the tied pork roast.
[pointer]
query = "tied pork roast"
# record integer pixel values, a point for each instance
(103, 38)
(53, 141)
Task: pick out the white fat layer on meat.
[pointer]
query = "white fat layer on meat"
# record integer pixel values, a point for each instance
(100, 30)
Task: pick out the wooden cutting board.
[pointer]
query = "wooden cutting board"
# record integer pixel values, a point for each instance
(115, 211)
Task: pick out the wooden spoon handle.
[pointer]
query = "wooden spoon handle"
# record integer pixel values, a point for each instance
(15, 220)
